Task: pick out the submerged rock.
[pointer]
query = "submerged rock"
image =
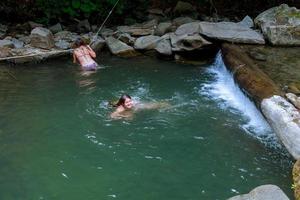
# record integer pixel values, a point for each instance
(120, 48)
(231, 32)
(264, 192)
(280, 25)
(284, 118)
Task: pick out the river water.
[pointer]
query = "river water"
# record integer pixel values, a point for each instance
(58, 142)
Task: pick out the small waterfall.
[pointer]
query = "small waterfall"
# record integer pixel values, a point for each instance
(229, 96)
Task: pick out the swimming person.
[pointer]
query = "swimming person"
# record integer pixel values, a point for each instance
(126, 107)
(84, 54)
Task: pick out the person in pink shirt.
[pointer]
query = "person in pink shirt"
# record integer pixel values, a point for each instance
(84, 54)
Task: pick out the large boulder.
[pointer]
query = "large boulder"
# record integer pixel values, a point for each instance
(146, 42)
(119, 48)
(41, 38)
(264, 192)
(163, 28)
(189, 28)
(180, 21)
(231, 32)
(98, 43)
(56, 28)
(146, 28)
(187, 42)
(163, 47)
(125, 37)
(280, 25)
(65, 35)
(284, 118)
(6, 43)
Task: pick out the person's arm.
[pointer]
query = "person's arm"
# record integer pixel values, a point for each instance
(91, 51)
(74, 57)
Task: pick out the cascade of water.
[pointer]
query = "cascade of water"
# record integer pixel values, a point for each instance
(229, 96)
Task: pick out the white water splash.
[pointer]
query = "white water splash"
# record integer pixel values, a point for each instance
(230, 97)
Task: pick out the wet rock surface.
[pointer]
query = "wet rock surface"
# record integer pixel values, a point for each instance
(252, 79)
(264, 192)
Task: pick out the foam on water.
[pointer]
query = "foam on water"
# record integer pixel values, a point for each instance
(229, 96)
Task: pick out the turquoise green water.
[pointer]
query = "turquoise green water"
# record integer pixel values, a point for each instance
(57, 141)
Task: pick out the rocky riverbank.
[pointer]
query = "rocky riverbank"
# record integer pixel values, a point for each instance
(185, 39)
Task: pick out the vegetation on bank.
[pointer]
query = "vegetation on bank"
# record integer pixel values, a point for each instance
(53, 11)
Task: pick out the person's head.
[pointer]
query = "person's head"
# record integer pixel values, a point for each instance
(125, 101)
(78, 42)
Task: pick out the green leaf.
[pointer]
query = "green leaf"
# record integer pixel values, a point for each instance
(76, 4)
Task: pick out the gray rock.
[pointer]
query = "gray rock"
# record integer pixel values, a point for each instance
(41, 38)
(189, 28)
(247, 21)
(65, 35)
(34, 25)
(106, 32)
(156, 11)
(187, 42)
(280, 25)
(3, 29)
(163, 28)
(6, 43)
(146, 42)
(293, 99)
(231, 32)
(17, 43)
(56, 28)
(164, 47)
(98, 43)
(62, 44)
(125, 37)
(146, 28)
(183, 7)
(119, 48)
(182, 20)
(284, 118)
(264, 192)
(84, 26)
(24, 39)
(5, 52)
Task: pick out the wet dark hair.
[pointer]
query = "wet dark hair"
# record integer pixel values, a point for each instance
(78, 42)
(122, 100)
